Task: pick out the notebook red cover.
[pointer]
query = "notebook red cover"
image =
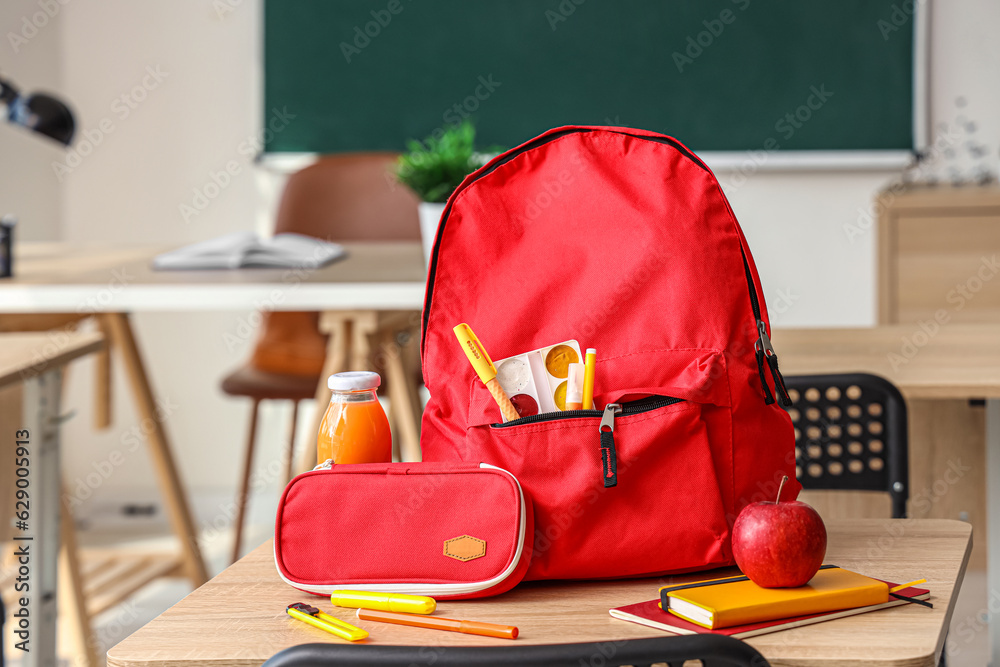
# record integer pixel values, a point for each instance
(650, 614)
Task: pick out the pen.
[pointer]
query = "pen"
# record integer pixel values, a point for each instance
(483, 365)
(438, 623)
(318, 619)
(588, 379)
(414, 604)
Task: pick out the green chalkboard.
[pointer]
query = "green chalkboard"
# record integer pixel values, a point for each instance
(717, 74)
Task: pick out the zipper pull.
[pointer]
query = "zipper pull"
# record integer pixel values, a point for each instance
(759, 352)
(765, 351)
(763, 340)
(609, 457)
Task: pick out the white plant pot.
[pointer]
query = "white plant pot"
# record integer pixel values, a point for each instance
(430, 216)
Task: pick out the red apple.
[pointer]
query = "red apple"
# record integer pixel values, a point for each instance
(779, 544)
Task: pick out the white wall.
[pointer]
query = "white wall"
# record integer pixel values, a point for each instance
(813, 273)
(190, 77)
(31, 59)
(130, 187)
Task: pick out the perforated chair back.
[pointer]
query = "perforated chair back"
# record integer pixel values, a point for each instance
(850, 433)
(711, 650)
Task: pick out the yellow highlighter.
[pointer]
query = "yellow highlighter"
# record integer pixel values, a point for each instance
(588, 379)
(483, 365)
(410, 604)
(331, 624)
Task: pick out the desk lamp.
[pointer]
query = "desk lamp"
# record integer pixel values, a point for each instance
(40, 113)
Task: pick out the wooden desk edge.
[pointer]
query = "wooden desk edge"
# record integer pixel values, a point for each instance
(64, 355)
(959, 578)
(962, 529)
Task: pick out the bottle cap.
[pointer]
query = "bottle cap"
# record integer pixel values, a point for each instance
(354, 381)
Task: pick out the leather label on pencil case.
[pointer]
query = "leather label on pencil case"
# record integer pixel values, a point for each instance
(465, 547)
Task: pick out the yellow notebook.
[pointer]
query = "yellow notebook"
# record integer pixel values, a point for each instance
(721, 603)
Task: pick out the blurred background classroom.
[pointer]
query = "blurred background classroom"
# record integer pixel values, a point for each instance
(192, 115)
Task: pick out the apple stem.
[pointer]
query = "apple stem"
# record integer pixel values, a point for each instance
(780, 487)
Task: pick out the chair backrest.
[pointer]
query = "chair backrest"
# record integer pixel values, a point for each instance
(352, 197)
(711, 650)
(850, 433)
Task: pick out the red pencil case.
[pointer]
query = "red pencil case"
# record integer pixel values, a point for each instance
(447, 530)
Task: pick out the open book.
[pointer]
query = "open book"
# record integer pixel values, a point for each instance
(247, 250)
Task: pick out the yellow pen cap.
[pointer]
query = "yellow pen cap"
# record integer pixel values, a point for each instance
(411, 604)
(476, 353)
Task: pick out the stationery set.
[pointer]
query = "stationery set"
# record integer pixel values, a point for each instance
(633, 410)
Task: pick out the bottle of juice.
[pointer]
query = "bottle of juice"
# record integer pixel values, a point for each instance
(354, 428)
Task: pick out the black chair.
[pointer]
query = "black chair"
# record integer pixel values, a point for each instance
(850, 433)
(711, 650)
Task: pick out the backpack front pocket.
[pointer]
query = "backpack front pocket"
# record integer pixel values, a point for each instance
(664, 511)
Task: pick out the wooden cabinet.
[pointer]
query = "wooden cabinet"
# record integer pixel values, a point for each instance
(939, 264)
(939, 255)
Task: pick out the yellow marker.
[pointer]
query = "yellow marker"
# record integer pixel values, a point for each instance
(412, 604)
(588, 379)
(318, 619)
(483, 365)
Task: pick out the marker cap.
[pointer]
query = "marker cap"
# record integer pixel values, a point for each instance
(476, 353)
(411, 604)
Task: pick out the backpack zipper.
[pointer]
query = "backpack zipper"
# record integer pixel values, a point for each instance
(630, 408)
(609, 456)
(763, 350)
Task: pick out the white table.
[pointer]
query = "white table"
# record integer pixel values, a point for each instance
(111, 282)
(36, 361)
(64, 278)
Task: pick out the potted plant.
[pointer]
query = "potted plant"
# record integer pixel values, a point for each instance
(433, 169)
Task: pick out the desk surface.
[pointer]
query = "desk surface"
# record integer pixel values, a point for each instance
(23, 355)
(957, 361)
(61, 277)
(238, 618)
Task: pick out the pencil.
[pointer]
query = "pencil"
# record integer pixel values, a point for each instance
(438, 623)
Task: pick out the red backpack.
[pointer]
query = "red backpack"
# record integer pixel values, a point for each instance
(623, 240)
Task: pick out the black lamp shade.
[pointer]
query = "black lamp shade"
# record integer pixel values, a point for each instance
(45, 115)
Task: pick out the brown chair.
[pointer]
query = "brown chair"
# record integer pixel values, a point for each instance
(339, 198)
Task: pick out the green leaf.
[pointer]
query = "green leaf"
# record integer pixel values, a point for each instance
(435, 167)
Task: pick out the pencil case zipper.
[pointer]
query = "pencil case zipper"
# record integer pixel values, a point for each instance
(609, 455)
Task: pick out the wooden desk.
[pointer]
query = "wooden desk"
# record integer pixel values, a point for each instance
(238, 618)
(958, 361)
(36, 361)
(938, 374)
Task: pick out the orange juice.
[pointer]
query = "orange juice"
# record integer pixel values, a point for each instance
(354, 428)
